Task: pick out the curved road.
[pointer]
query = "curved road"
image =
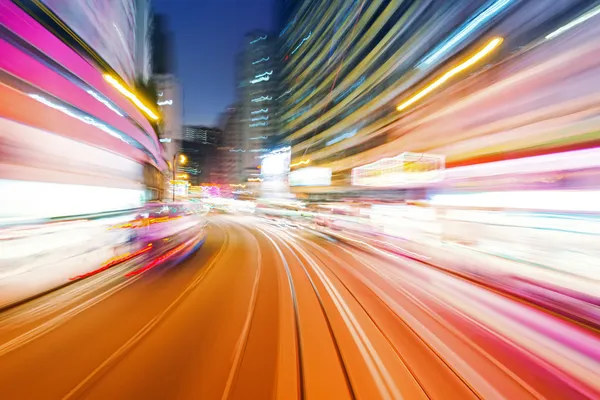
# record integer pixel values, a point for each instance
(263, 312)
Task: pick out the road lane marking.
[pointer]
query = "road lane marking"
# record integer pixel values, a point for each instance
(150, 325)
(243, 338)
(381, 376)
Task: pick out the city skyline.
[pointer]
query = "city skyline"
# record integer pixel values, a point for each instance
(208, 74)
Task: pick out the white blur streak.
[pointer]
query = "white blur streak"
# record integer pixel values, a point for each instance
(523, 326)
(553, 200)
(26, 199)
(574, 23)
(381, 376)
(569, 160)
(392, 275)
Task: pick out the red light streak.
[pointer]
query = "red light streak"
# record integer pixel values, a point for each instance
(112, 262)
(169, 254)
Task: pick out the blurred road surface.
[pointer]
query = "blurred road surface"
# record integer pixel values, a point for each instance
(265, 312)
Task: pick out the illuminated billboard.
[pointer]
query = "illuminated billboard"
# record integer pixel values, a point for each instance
(312, 176)
(403, 169)
(276, 163)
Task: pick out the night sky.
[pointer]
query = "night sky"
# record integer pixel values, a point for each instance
(208, 35)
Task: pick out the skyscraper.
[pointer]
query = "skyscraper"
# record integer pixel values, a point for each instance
(230, 155)
(169, 96)
(345, 66)
(200, 145)
(258, 92)
(143, 40)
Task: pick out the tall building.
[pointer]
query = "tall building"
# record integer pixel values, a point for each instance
(170, 103)
(230, 155)
(257, 91)
(109, 30)
(200, 146)
(169, 96)
(202, 134)
(143, 40)
(163, 60)
(348, 64)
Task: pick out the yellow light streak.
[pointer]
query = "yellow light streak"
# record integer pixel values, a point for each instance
(108, 78)
(303, 162)
(492, 44)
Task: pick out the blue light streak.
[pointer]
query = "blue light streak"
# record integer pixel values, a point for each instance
(287, 27)
(261, 79)
(261, 99)
(261, 60)
(302, 42)
(287, 92)
(262, 110)
(259, 39)
(341, 137)
(485, 14)
(264, 74)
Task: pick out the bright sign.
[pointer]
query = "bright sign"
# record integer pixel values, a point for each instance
(276, 163)
(312, 176)
(402, 169)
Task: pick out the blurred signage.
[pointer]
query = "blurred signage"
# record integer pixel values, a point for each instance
(312, 176)
(276, 163)
(402, 169)
(180, 187)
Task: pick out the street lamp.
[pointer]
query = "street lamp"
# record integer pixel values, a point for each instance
(182, 160)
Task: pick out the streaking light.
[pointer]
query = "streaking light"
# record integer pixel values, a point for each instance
(287, 27)
(258, 138)
(574, 23)
(21, 199)
(302, 42)
(117, 85)
(258, 124)
(286, 92)
(260, 119)
(558, 200)
(264, 74)
(165, 103)
(261, 60)
(262, 110)
(339, 138)
(483, 16)
(83, 118)
(105, 102)
(303, 162)
(255, 180)
(259, 39)
(261, 99)
(456, 70)
(404, 168)
(261, 79)
(312, 176)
